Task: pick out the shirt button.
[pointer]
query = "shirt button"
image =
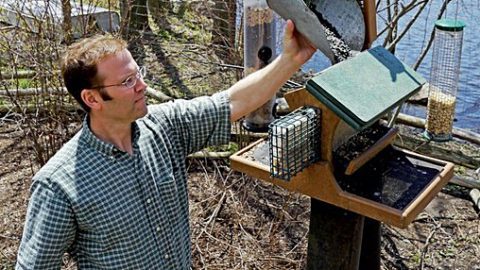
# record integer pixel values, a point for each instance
(158, 229)
(166, 256)
(149, 201)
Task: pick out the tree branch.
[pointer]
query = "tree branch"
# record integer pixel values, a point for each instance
(432, 34)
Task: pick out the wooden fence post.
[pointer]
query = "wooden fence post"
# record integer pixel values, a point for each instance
(335, 237)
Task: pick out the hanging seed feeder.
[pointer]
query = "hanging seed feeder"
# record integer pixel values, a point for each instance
(259, 51)
(444, 76)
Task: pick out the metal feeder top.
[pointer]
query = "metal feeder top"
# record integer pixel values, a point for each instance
(450, 25)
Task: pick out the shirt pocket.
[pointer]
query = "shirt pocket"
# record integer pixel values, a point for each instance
(167, 193)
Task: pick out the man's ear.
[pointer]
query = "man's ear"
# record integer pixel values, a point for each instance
(91, 98)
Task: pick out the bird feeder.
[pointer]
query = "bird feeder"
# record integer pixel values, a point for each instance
(444, 76)
(259, 51)
(320, 149)
(357, 169)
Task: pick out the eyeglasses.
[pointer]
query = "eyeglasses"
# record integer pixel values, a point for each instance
(129, 82)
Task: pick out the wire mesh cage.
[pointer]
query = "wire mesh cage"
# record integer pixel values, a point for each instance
(259, 51)
(444, 76)
(294, 142)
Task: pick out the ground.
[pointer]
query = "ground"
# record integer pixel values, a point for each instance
(242, 223)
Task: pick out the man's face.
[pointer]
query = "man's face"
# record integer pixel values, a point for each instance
(122, 103)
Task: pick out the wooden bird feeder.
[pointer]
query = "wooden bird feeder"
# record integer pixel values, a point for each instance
(354, 184)
(383, 183)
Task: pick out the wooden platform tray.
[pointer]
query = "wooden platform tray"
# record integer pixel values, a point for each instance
(370, 148)
(394, 187)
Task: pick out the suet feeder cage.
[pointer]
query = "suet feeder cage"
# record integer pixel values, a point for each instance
(444, 76)
(294, 142)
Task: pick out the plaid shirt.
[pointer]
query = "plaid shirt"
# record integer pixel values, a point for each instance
(111, 210)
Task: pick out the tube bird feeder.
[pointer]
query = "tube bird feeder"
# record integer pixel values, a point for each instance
(259, 51)
(444, 76)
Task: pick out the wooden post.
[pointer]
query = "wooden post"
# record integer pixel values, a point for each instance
(340, 239)
(370, 254)
(370, 17)
(335, 237)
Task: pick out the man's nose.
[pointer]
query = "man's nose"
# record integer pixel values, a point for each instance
(140, 85)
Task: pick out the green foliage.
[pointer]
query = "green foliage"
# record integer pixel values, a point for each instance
(25, 83)
(109, 4)
(416, 258)
(230, 147)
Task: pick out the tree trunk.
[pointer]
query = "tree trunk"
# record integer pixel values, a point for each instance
(223, 14)
(159, 10)
(67, 21)
(134, 15)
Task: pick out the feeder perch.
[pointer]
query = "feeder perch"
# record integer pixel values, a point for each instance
(444, 76)
(371, 178)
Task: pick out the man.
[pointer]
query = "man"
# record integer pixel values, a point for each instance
(115, 195)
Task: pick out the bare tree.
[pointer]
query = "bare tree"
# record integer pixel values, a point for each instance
(67, 21)
(394, 12)
(223, 13)
(159, 10)
(134, 14)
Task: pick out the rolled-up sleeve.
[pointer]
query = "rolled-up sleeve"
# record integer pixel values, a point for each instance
(200, 122)
(49, 229)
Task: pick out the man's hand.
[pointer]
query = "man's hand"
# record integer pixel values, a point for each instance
(257, 88)
(296, 46)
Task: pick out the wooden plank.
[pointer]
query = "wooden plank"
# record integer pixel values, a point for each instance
(452, 150)
(430, 191)
(371, 152)
(460, 133)
(18, 74)
(330, 121)
(33, 92)
(370, 17)
(158, 95)
(463, 181)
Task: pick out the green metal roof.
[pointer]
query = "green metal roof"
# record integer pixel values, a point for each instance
(364, 88)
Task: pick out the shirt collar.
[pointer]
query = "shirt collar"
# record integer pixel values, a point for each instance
(102, 146)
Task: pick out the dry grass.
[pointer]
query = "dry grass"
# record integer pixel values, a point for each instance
(242, 223)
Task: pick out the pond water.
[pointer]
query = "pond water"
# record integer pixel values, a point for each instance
(467, 114)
